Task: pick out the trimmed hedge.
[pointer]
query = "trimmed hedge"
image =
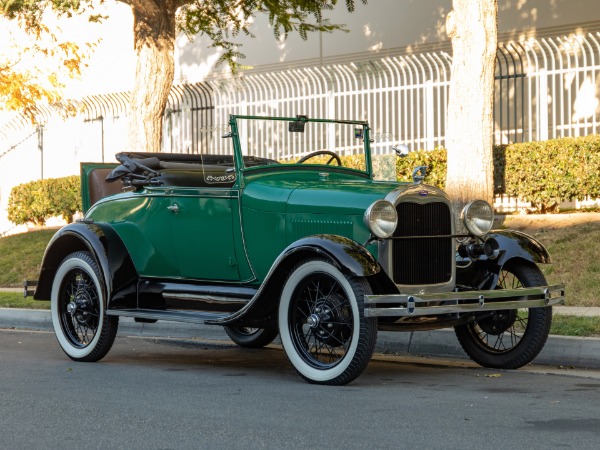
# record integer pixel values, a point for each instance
(543, 173)
(39, 200)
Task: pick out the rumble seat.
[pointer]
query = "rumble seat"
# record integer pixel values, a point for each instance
(162, 169)
(99, 188)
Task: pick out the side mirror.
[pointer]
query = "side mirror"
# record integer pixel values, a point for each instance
(401, 150)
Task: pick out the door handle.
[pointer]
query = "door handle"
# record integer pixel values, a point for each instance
(173, 208)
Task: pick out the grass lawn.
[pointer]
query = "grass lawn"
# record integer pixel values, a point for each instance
(16, 300)
(575, 262)
(567, 325)
(21, 256)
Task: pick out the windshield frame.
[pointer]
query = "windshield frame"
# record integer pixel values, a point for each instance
(239, 156)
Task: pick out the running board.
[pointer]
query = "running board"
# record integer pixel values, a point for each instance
(199, 317)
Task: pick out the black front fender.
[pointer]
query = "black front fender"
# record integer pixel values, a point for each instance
(107, 248)
(345, 254)
(483, 273)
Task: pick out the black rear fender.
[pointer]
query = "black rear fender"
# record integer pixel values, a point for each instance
(105, 245)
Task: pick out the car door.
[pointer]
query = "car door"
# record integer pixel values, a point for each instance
(202, 232)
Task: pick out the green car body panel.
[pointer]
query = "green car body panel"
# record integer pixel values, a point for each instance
(302, 206)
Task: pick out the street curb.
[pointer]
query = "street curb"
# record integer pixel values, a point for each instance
(563, 351)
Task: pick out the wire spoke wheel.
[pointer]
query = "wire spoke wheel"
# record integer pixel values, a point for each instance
(249, 337)
(83, 330)
(79, 308)
(504, 329)
(321, 321)
(509, 339)
(322, 325)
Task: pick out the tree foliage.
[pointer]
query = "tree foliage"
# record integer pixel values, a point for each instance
(224, 20)
(35, 72)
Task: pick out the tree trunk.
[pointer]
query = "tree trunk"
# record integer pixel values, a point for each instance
(154, 45)
(473, 29)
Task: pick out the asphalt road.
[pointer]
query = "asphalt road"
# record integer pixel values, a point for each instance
(166, 393)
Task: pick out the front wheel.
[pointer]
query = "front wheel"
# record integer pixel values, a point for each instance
(82, 328)
(509, 339)
(251, 337)
(322, 325)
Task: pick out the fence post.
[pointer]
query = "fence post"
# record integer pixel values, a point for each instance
(330, 113)
(429, 116)
(543, 105)
(244, 127)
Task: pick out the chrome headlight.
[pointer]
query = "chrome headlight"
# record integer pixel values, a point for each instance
(478, 217)
(381, 218)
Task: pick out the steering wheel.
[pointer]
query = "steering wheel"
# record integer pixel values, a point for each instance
(321, 152)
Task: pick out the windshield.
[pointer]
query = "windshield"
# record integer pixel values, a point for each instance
(268, 141)
(383, 156)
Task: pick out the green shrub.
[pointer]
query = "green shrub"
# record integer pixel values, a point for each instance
(543, 173)
(66, 196)
(39, 200)
(25, 204)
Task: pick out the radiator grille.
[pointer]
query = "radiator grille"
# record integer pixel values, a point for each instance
(423, 261)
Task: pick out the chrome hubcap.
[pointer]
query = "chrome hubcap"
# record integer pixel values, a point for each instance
(313, 321)
(72, 308)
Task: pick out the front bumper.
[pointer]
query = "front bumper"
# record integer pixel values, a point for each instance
(412, 305)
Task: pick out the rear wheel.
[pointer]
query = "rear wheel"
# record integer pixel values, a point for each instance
(509, 339)
(322, 325)
(82, 328)
(251, 337)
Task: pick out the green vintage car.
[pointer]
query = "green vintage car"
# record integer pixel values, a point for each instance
(294, 227)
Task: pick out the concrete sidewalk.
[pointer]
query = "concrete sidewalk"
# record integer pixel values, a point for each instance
(558, 351)
(584, 311)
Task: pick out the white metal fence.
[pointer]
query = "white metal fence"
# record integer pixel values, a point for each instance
(548, 88)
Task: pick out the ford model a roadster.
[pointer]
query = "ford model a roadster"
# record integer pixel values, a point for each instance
(289, 227)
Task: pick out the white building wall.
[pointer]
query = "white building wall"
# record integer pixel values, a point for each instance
(383, 27)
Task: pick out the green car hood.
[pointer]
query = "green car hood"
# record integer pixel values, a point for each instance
(311, 193)
(337, 197)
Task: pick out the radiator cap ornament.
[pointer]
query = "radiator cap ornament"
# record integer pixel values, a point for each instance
(419, 174)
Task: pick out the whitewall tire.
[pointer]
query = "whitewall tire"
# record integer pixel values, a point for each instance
(322, 325)
(78, 308)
